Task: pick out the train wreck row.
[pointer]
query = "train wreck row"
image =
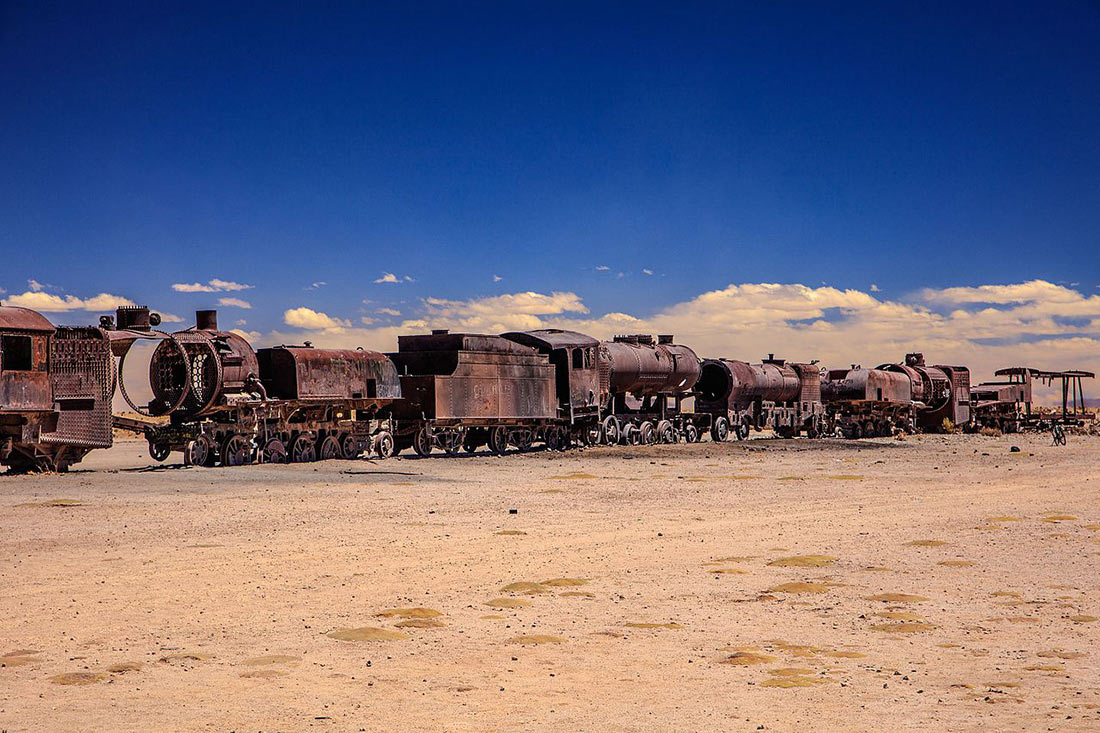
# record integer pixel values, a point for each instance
(216, 400)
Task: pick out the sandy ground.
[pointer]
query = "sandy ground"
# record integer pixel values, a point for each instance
(217, 599)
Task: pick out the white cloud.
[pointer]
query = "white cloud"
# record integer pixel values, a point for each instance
(35, 286)
(241, 322)
(213, 286)
(314, 320)
(647, 271)
(169, 317)
(602, 268)
(250, 336)
(234, 303)
(497, 278)
(389, 312)
(874, 288)
(317, 285)
(49, 303)
(389, 277)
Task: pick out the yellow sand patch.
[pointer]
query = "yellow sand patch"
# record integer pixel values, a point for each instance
(734, 558)
(495, 616)
(562, 582)
(576, 475)
(791, 478)
(49, 503)
(800, 588)
(507, 603)
(1082, 619)
(790, 671)
(1045, 668)
(263, 674)
(1005, 593)
(270, 659)
(897, 598)
(899, 616)
(417, 612)
(791, 682)
(1059, 654)
(78, 678)
(926, 543)
(645, 625)
(525, 587)
(804, 561)
(843, 654)
(1059, 518)
(1003, 519)
(536, 639)
(124, 667)
(956, 563)
(729, 571)
(745, 659)
(420, 623)
(366, 633)
(510, 532)
(905, 627)
(1093, 527)
(576, 594)
(1022, 619)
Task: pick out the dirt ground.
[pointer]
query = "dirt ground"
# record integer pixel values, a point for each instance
(937, 582)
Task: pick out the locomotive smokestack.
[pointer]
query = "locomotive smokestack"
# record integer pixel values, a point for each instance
(206, 320)
(665, 338)
(440, 332)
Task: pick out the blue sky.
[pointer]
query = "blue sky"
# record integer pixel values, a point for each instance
(486, 149)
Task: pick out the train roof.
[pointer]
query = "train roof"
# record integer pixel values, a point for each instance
(551, 338)
(446, 341)
(1043, 374)
(14, 318)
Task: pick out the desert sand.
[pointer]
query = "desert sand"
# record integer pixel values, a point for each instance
(938, 582)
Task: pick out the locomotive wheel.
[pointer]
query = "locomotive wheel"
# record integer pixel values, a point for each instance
(236, 451)
(691, 433)
(720, 430)
(498, 440)
(553, 439)
(647, 434)
(521, 439)
(198, 452)
(303, 449)
(628, 434)
(855, 431)
(384, 444)
(869, 430)
(422, 442)
(274, 451)
(665, 432)
(330, 449)
(159, 452)
(350, 447)
(610, 430)
(473, 440)
(450, 441)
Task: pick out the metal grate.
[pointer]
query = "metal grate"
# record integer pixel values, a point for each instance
(82, 374)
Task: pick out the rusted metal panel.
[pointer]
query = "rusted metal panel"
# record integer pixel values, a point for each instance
(14, 318)
(643, 368)
(866, 385)
(583, 378)
(734, 385)
(24, 365)
(473, 377)
(82, 378)
(300, 373)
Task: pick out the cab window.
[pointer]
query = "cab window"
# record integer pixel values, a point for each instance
(578, 358)
(15, 353)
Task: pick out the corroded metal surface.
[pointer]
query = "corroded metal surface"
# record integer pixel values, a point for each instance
(640, 367)
(304, 373)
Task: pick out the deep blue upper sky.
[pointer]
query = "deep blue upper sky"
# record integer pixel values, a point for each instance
(902, 144)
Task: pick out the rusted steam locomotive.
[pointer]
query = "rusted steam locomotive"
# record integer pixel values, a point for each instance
(908, 396)
(56, 386)
(229, 404)
(741, 397)
(1006, 404)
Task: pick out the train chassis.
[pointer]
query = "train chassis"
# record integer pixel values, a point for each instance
(871, 419)
(272, 434)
